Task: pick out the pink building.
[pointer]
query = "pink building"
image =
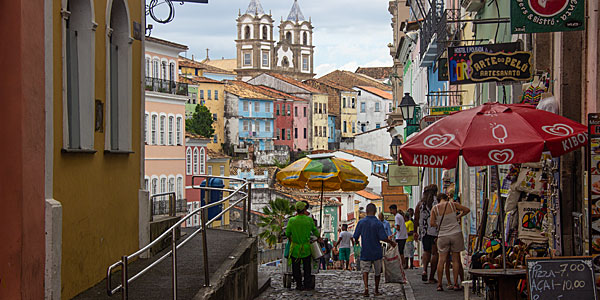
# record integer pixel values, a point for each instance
(195, 165)
(164, 119)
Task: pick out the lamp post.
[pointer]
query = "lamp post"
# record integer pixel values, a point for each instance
(407, 108)
(396, 143)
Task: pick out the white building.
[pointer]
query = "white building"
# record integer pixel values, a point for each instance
(376, 141)
(373, 106)
(373, 166)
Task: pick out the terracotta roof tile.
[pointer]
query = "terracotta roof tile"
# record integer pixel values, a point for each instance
(197, 79)
(195, 136)
(377, 92)
(331, 84)
(281, 94)
(350, 80)
(165, 42)
(365, 155)
(375, 72)
(295, 82)
(216, 154)
(368, 195)
(244, 90)
(225, 64)
(186, 62)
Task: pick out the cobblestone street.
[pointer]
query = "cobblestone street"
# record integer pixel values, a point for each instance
(331, 284)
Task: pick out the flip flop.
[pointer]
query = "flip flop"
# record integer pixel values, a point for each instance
(458, 288)
(440, 289)
(366, 293)
(450, 287)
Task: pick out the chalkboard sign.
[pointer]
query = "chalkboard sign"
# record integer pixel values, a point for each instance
(561, 278)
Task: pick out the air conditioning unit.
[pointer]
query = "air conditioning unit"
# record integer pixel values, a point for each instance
(472, 5)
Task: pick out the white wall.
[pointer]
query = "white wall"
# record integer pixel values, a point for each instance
(375, 142)
(370, 114)
(365, 166)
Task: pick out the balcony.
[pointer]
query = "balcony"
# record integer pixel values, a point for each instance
(435, 33)
(166, 86)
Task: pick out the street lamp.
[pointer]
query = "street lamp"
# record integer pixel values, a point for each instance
(396, 143)
(407, 107)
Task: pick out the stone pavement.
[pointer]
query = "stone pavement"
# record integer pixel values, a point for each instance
(419, 290)
(331, 284)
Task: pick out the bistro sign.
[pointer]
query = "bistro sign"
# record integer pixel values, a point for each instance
(500, 66)
(532, 16)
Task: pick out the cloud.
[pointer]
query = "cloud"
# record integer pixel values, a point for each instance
(347, 33)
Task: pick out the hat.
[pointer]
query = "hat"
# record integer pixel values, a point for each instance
(300, 205)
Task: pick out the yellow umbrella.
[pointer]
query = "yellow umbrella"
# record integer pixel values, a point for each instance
(322, 172)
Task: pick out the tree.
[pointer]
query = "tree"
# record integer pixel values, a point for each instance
(276, 212)
(201, 122)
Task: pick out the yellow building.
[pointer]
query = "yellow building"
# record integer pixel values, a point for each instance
(217, 164)
(319, 121)
(210, 93)
(348, 108)
(95, 144)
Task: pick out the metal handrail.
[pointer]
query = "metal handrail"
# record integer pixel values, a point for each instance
(125, 281)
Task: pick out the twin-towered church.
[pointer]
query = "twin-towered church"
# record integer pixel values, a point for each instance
(256, 49)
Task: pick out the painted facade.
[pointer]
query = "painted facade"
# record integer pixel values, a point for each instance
(249, 117)
(164, 122)
(314, 96)
(196, 148)
(332, 132)
(210, 93)
(94, 129)
(372, 109)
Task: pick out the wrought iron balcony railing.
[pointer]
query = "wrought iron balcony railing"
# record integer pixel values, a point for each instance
(166, 86)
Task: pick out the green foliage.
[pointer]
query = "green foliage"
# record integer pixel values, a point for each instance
(281, 165)
(201, 122)
(276, 212)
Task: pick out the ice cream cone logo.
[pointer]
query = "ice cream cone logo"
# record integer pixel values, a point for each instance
(499, 132)
(548, 8)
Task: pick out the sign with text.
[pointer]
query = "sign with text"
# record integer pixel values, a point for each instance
(561, 278)
(531, 16)
(500, 66)
(443, 110)
(460, 66)
(403, 175)
(428, 120)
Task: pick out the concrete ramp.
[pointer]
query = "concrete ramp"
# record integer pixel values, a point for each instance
(231, 253)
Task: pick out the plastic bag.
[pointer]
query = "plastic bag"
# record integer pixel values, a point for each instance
(393, 266)
(315, 250)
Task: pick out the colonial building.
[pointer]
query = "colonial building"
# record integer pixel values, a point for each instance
(373, 107)
(166, 97)
(195, 170)
(317, 105)
(256, 49)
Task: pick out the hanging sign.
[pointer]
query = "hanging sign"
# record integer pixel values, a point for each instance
(403, 175)
(532, 16)
(428, 120)
(443, 110)
(459, 60)
(500, 66)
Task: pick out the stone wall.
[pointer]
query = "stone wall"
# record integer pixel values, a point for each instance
(269, 157)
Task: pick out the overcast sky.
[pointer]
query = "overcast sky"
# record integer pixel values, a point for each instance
(347, 34)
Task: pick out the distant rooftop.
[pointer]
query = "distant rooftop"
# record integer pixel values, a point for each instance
(166, 43)
(377, 92)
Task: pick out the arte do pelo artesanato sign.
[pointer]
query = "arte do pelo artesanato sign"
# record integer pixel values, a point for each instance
(500, 66)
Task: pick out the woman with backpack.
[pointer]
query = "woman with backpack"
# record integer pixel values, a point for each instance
(426, 233)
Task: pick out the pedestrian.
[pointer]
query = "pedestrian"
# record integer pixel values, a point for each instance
(357, 255)
(326, 249)
(370, 232)
(409, 248)
(298, 231)
(401, 234)
(450, 238)
(386, 225)
(343, 243)
(425, 232)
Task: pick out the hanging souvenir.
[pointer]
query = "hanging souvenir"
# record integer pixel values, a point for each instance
(530, 222)
(529, 181)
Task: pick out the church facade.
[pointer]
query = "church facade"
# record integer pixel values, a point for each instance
(258, 52)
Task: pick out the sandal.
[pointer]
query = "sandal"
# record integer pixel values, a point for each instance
(366, 293)
(450, 287)
(458, 288)
(440, 288)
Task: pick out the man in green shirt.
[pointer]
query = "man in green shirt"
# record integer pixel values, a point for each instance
(298, 231)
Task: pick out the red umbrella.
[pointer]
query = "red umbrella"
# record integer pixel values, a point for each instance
(493, 134)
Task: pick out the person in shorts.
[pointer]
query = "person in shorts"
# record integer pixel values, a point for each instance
(344, 245)
(370, 232)
(401, 234)
(409, 248)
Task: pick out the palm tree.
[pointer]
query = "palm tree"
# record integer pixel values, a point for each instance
(272, 223)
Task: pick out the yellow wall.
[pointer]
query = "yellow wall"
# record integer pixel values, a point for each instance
(98, 191)
(319, 143)
(190, 71)
(215, 107)
(216, 171)
(349, 115)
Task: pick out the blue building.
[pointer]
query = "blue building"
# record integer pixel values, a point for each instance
(332, 136)
(249, 117)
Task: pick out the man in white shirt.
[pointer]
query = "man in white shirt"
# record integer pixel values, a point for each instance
(401, 233)
(344, 246)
